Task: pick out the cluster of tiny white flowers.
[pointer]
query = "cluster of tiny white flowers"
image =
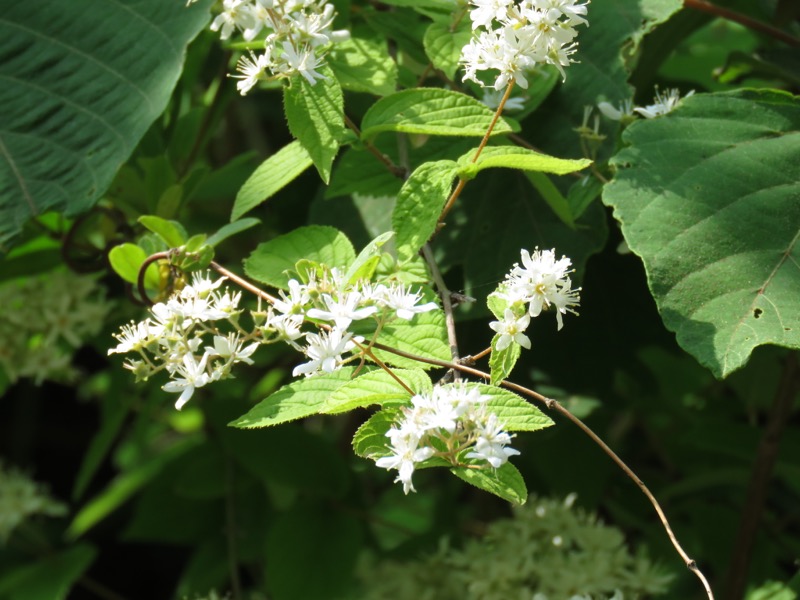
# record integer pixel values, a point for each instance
(453, 423)
(22, 498)
(297, 33)
(662, 104)
(196, 336)
(515, 36)
(541, 283)
(331, 300)
(177, 333)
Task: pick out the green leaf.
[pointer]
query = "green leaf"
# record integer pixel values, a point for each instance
(582, 193)
(170, 232)
(443, 45)
(377, 387)
(358, 172)
(554, 198)
(367, 260)
(301, 398)
(271, 176)
(363, 65)
(370, 440)
(430, 111)
(497, 305)
(425, 335)
(505, 482)
(516, 413)
(419, 205)
(315, 114)
(127, 259)
(501, 363)
(514, 157)
(75, 104)
(231, 229)
(708, 197)
(50, 577)
(271, 261)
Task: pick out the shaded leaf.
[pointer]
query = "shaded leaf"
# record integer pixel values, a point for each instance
(505, 482)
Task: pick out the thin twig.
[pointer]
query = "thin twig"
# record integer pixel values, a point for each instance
(366, 350)
(387, 162)
(750, 23)
(760, 477)
(555, 405)
(447, 305)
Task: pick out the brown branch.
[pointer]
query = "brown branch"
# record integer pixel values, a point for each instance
(750, 23)
(387, 162)
(447, 305)
(763, 467)
(555, 405)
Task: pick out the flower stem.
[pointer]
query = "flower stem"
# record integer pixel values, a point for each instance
(730, 15)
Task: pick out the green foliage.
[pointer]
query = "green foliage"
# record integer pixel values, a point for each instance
(315, 117)
(505, 482)
(75, 106)
(361, 65)
(707, 196)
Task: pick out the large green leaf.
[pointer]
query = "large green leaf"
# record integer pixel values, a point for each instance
(709, 197)
(505, 482)
(81, 83)
(430, 111)
(273, 262)
(363, 65)
(377, 387)
(315, 114)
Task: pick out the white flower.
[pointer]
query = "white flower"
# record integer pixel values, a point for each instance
(492, 98)
(405, 454)
(201, 286)
(342, 311)
(404, 302)
(303, 61)
(253, 69)
(511, 330)
(230, 349)
(664, 103)
(624, 112)
(193, 375)
(235, 13)
(135, 336)
(287, 327)
(325, 351)
(295, 303)
(492, 443)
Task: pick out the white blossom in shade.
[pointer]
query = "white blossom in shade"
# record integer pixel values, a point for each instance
(191, 375)
(511, 329)
(235, 14)
(406, 453)
(287, 328)
(325, 351)
(342, 311)
(664, 103)
(624, 112)
(404, 302)
(492, 99)
(492, 443)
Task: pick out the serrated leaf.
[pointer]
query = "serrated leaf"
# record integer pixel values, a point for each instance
(443, 44)
(708, 197)
(377, 387)
(425, 335)
(301, 398)
(370, 439)
(271, 176)
(171, 233)
(271, 261)
(231, 229)
(315, 114)
(497, 305)
(363, 65)
(516, 413)
(430, 111)
(502, 362)
(514, 157)
(505, 482)
(419, 205)
(127, 259)
(367, 260)
(75, 104)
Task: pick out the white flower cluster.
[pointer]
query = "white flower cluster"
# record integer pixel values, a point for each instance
(331, 300)
(176, 335)
(542, 282)
(297, 32)
(185, 335)
(515, 36)
(453, 423)
(20, 499)
(662, 104)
